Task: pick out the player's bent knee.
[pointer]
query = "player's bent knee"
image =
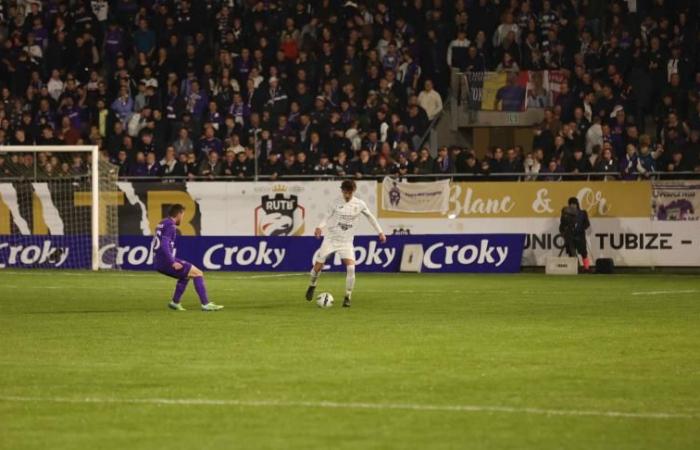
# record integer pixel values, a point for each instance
(195, 272)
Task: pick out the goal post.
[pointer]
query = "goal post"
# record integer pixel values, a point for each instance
(59, 175)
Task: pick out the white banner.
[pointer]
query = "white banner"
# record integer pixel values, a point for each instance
(422, 197)
(676, 200)
(270, 209)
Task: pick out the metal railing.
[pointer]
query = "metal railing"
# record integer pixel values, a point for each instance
(510, 176)
(429, 135)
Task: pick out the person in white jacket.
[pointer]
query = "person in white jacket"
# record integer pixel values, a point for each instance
(429, 99)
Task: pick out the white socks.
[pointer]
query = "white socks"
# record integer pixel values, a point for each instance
(349, 280)
(314, 277)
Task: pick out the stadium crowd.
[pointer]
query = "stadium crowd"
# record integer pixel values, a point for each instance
(212, 88)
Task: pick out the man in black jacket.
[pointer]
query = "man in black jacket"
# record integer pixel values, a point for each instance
(573, 225)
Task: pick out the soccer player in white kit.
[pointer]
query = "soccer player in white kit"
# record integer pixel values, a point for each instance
(340, 232)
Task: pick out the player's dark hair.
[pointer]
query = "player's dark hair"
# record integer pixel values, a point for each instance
(175, 210)
(348, 186)
(573, 201)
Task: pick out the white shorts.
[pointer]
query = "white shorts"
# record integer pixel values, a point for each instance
(344, 249)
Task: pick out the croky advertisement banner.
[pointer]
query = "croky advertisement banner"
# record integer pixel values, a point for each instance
(453, 253)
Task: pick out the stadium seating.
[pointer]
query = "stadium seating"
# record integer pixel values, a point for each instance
(308, 89)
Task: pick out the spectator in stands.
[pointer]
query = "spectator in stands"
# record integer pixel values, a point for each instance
(458, 51)
(533, 164)
(342, 165)
(170, 167)
(364, 167)
(578, 163)
(425, 164)
(513, 162)
(646, 162)
(138, 168)
(552, 172)
(244, 168)
(271, 166)
(183, 143)
(429, 99)
(629, 163)
(510, 97)
(444, 163)
(153, 169)
(211, 167)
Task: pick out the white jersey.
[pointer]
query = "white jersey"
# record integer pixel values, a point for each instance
(341, 220)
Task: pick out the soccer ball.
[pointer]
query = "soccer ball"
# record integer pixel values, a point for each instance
(324, 300)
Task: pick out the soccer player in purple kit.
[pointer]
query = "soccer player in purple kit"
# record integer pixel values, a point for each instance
(165, 262)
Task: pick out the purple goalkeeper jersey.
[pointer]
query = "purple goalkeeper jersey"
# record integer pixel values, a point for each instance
(164, 243)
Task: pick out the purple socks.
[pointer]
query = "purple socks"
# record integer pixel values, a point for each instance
(201, 290)
(180, 289)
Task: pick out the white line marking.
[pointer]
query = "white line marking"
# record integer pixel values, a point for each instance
(684, 291)
(354, 405)
(274, 275)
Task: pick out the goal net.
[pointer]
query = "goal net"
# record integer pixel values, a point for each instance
(57, 207)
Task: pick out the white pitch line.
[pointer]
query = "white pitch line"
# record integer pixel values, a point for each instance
(354, 405)
(683, 291)
(274, 275)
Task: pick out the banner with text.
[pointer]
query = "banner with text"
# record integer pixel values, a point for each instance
(538, 199)
(415, 197)
(453, 253)
(635, 242)
(676, 200)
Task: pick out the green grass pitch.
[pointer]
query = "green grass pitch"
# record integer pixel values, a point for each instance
(96, 361)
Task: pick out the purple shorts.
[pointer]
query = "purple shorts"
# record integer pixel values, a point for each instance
(167, 269)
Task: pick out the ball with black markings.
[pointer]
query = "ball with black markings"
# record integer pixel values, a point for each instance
(324, 300)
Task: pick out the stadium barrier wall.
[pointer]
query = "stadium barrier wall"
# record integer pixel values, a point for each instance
(450, 253)
(637, 223)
